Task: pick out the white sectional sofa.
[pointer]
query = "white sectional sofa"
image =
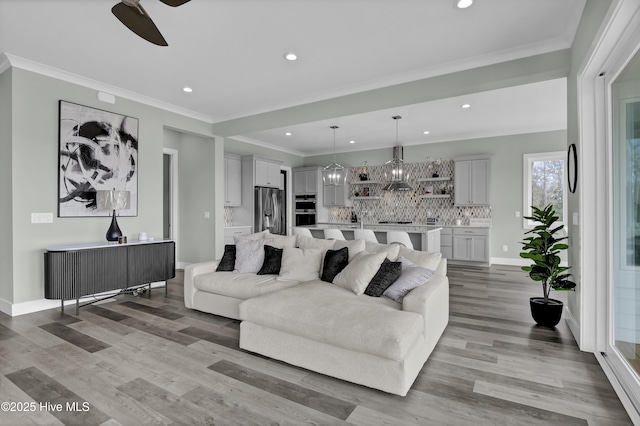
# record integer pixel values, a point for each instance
(328, 328)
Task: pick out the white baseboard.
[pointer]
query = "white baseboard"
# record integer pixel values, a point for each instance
(574, 326)
(509, 261)
(17, 309)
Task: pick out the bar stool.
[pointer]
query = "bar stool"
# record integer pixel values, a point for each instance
(399, 237)
(333, 234)
(302, 231)
(364, 234)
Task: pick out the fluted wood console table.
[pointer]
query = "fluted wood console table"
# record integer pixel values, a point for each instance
(74, 271)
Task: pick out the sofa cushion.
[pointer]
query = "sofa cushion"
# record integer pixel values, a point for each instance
(300, 264)
(426, 259)
(354, 246)
(250, 254)
(241, 286)
(272, 261)
(305, 242)
(334, 262)
(358, 273)
(410, 278)
(391, 250)
(257, 235)
(228, 261)
(386, 275)
(335, 316)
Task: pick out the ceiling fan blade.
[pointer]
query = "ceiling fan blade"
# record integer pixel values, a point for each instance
(175, 3)
(138, 21)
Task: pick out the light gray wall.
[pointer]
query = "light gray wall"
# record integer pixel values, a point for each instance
(506, 174)
(590, 22)
(34, 142)
(6, 231)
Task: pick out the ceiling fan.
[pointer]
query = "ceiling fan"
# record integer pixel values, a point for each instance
(133, 16)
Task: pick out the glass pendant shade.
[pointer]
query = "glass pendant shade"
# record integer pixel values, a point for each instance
(334, 174)
(396, 174)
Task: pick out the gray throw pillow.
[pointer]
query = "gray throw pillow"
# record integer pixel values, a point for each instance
(250, 254)
(410, 278)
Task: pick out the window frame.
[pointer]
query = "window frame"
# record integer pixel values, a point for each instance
(528, 160)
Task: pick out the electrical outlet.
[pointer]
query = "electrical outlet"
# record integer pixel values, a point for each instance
(206, 215)
(505, 248)
(517, 214)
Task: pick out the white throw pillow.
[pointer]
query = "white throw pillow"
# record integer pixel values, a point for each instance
(305, 242)
(300, 264)
(411, 277)
(280, 241)
(354, 246)
(250, 254)
(406, 263)
(426, 259)
(392, 250)
(359, 272)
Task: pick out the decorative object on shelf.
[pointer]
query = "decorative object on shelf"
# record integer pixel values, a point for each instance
(356, 194)
(363, 174)
(97, 150)
(572, 167)
(436, 172)
(543, 248)
(365, 191)
(113, 200)
(334, 174)
(398, 180)
(428, 190)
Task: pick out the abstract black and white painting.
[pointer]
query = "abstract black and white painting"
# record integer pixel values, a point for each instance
(98, 150)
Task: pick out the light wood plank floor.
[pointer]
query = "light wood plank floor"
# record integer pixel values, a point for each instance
(150, 361)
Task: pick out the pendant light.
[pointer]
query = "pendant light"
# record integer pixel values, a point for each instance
(397, 181)
(334, 174)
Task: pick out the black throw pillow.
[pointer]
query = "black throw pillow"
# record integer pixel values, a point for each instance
(389, 272)
(334, 262)
(272, 261)
(228, 261)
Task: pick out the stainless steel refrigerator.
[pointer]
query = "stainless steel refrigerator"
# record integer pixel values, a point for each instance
(270, 211)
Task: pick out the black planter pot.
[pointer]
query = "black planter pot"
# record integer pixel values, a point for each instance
(547, 315)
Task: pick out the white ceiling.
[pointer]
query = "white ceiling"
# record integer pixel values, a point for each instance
(231, 53)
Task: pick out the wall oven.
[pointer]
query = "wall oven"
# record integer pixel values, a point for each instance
(305, 210)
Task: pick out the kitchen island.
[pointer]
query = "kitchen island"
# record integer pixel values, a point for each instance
(423, 237)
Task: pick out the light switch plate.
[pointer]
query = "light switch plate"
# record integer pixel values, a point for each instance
(41, 217)
(575, 218)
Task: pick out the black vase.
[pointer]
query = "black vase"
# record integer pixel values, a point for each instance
(546, 314)
(114, 230)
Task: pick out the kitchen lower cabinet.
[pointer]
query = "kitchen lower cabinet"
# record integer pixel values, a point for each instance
(471, 244)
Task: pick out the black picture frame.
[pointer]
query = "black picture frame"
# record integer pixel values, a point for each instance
(97, 150)
(572, 168)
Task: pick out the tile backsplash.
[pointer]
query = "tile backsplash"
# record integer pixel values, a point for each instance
(407, 206)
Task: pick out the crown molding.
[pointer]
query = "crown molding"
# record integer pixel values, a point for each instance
(266, 145)
(46, 70)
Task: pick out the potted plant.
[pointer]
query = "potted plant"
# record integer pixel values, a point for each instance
(543, 248)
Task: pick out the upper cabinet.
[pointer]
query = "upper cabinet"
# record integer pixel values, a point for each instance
(232, 180)
(305, 180)
(336, 196)
(472, 176)
(267, 173)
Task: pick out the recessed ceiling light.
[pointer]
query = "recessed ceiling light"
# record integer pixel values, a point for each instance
(290, 56)
(288, 134)
(465, 106)
(352, 141)
(463, 4)
(426, 132)
(187, 89)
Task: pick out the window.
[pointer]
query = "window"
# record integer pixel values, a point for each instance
(544, 183)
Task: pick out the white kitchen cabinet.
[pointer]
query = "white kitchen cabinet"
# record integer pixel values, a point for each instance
(232, 180)
(336, 196)
(267, 173)
(446, 243)
(305, 181)
(472, 185)
(471, 244)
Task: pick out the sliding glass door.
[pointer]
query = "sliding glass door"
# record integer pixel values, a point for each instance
(624, 330)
